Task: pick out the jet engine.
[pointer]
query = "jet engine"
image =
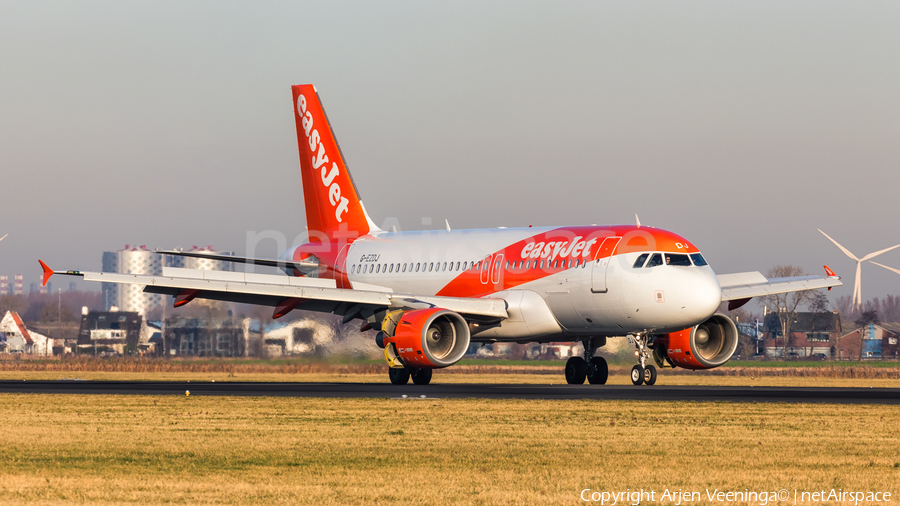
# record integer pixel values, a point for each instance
(428, 338)
(704, 346)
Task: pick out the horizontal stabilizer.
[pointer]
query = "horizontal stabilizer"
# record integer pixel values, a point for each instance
(303, 267)
(746, 285)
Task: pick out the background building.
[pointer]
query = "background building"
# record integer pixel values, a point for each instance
(140, 260)
(877, 340)
(812, 335)
(205, 264)
(109, 332)
(15, 338)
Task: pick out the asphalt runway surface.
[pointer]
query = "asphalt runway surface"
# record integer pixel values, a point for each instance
(463, 390)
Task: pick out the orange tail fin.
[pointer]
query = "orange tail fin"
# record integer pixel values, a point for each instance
(330, 196)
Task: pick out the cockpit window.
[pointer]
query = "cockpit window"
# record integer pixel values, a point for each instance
(679, 260)
(655, 260)
(640, 261)
(698, 259)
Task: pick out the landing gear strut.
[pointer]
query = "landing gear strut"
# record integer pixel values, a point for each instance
(642, 373)
(589, 367)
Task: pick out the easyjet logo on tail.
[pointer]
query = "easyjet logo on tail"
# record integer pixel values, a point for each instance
(319, 160)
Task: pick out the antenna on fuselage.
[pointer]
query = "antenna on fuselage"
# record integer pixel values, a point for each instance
(447, 222)
(638, 220)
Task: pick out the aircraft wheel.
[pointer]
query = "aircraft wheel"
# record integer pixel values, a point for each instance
(421, 376)
(599, 373)
(576, 371)
(399, 376)
(649, 375)
(637, 374)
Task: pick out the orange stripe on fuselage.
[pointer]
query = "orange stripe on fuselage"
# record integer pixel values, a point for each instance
(558, 247)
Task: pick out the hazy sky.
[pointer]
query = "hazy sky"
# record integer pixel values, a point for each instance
(742, 126)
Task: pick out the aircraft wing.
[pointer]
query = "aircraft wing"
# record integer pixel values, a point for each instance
(743, 286)
(286, 293)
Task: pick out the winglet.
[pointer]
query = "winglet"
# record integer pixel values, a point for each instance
(830, 273)
(47, 272)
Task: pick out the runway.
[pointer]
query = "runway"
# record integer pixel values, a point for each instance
(476, 391)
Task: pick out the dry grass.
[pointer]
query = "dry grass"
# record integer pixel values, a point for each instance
(243, 450)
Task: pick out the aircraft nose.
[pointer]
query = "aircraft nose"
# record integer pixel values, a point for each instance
(702, 296)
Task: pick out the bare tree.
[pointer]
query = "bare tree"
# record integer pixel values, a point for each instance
(785, 304)
(890, 308)
(867, 318)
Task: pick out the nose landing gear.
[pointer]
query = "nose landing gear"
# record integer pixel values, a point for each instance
(642, 373)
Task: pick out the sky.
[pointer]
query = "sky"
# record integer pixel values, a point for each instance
(743, 126)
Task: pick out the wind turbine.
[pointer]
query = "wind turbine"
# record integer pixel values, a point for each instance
(857, 286)
(886, 267)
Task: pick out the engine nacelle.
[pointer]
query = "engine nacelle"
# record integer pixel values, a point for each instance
(430, 338)
(703, 346)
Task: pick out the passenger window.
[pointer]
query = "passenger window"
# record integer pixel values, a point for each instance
(353, 269)
(655, 260)
(431, 267)
(457, 265)
(404, 267)
(507, 265)
(465, 266)
(640, 261)
(378, 269)
(417, 267)
(392, 268)
(678, 260)
(698, 259)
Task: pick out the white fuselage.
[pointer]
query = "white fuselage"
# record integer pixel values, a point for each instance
(558, 282)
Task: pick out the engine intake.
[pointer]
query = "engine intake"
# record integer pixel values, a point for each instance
(430, 338)
(704, 346)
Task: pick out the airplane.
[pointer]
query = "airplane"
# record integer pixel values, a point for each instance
(429, 295)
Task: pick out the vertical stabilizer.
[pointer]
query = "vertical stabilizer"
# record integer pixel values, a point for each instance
(330, 197)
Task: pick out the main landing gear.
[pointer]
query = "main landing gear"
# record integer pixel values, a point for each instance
(589, 367)
(643, 372)
(401, 376)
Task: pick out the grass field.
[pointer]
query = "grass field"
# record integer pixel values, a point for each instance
(249, 450)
